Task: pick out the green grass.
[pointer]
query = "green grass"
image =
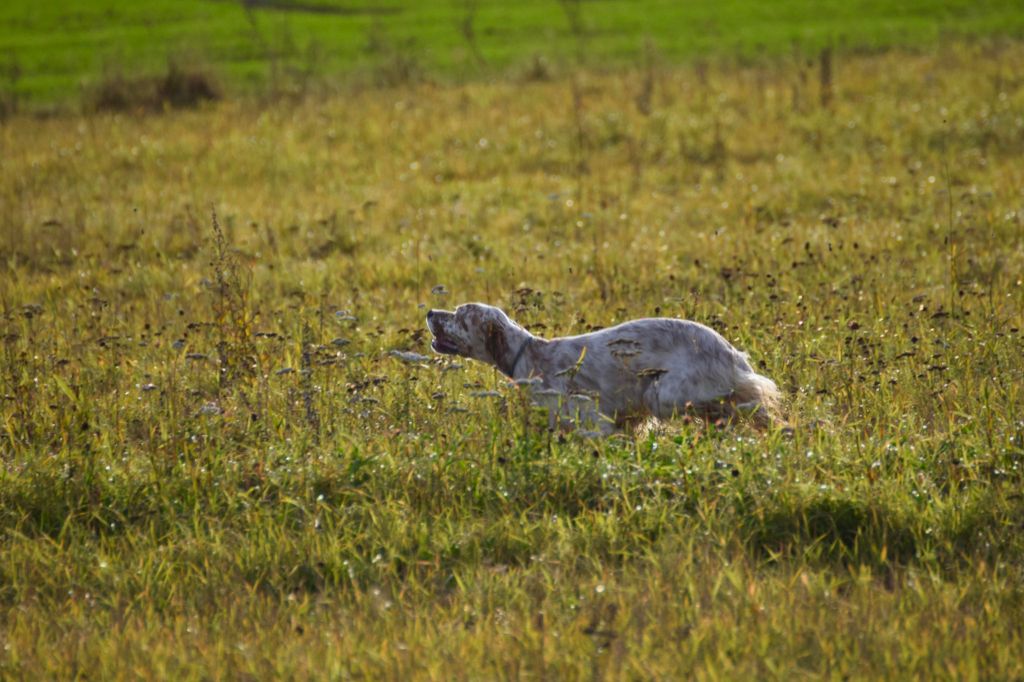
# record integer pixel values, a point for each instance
(51, 50)
(198, 481)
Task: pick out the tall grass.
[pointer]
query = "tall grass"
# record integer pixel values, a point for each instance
(211, 466)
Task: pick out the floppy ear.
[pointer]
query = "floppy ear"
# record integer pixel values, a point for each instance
(496, 343)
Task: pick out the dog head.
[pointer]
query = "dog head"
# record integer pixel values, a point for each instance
(474, 330)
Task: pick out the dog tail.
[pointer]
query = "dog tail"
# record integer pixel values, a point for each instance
(758, 393)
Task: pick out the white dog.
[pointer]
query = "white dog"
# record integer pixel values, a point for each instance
(656, 367)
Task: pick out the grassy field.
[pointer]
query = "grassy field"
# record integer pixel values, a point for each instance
(51, 51)
(213, 468)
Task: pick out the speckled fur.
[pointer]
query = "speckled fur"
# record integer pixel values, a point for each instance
(653, 367)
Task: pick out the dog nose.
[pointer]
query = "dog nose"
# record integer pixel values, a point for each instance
(430, 314)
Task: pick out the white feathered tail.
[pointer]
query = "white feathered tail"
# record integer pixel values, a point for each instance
(752, 389)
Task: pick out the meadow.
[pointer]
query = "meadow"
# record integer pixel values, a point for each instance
(213, 467)
(53, 53)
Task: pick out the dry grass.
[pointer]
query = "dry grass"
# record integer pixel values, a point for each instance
(212, 467)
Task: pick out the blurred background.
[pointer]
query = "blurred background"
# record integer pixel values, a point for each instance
(124, 54)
